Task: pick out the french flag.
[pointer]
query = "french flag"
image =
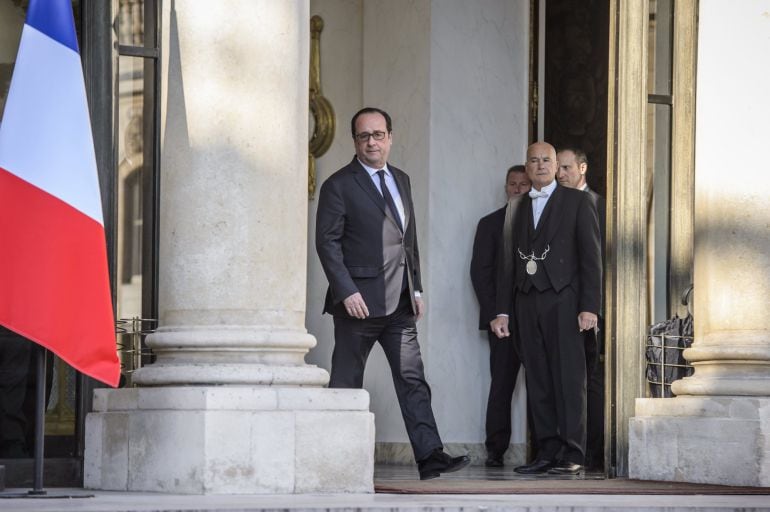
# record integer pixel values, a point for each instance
(54, 281)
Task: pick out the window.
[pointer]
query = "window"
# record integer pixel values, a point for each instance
(137, 173)
(659, 106)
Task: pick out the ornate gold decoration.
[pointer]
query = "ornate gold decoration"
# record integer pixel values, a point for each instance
(60, 418)
(320, 108)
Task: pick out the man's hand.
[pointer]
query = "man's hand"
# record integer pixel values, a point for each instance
(499, 327)
(587, 321)
(420, 307)
(356, 307)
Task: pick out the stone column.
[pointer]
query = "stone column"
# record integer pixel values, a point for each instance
(717, 429)
(230, 406)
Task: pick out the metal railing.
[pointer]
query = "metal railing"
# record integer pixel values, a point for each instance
(133, 353)
(665, 362)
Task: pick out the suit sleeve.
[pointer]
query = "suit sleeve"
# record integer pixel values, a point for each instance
(505, 282)
(589, 252)
(484, 269)
(330, 228)
(416, 275)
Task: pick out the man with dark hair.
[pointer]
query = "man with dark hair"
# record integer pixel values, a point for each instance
(371, 110)
(367, 242)
(503, 360)
(557, 287)
(573, 167)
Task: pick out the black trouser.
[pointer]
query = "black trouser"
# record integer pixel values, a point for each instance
(553, 352)
(504, 368)
(595, 398)
(397, 334)
(15, 353)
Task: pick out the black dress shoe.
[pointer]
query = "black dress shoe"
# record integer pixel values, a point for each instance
(565, 467)
(535, 468)
(494, 462)
(439, 462)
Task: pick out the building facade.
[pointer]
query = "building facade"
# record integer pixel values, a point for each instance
(202, 114)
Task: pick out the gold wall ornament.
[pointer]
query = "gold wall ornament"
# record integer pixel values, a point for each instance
(323, 120)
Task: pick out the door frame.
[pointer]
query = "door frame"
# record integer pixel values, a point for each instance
(627, 191)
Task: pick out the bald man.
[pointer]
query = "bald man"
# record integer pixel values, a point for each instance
(573, 167)
(556, 292)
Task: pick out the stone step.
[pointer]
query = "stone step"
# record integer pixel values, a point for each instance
(156, 502)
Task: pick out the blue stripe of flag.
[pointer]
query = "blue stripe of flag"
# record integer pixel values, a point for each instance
(54, 18)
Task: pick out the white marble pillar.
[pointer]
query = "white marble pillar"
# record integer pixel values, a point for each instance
(233, 204)
(230, 406)
(717, 429)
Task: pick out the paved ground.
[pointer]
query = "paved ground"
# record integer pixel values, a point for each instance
(400, 477)
(141, 502)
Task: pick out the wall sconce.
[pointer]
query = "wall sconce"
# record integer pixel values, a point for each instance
(322, 118)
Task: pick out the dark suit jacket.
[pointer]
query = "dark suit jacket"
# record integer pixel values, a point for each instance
(360, 245)
(569, 225)
(487, 247)
(601, 209)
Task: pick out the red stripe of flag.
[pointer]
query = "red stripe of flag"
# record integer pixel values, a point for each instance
(54, 278)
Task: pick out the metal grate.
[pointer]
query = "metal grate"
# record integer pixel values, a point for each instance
(665, 362)
(133, 353)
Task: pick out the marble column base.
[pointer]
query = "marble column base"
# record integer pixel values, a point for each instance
(230, 440)
(716, 440)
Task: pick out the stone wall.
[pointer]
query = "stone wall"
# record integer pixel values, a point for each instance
(454, 77)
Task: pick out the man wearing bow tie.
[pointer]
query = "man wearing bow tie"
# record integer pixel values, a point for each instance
(556, 292)
(573, 166)
(367, 243)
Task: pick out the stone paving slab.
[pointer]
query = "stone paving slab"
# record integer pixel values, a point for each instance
(148, 502)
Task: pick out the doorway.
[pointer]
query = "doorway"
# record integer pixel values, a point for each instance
(570, 65)
(617, 79)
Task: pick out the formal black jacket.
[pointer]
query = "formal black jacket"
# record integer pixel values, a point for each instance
(601, 209)
(569, 227)
(487, 247)
(360, 245)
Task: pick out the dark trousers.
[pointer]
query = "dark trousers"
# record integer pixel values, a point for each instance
(595, 398)
(397, 334)
(15, 358)
(504, 368)
(553, 352)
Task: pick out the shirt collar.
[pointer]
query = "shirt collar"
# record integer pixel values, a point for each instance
(371, 170)
(549, 188)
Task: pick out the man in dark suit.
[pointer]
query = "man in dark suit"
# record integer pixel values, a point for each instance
(367, 243)
(557, 287)
(573, 167)
(504, 362)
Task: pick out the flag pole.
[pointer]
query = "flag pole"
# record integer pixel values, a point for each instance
(37, 490)
(37, 483)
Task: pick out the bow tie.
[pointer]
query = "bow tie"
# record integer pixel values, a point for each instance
(534, 194)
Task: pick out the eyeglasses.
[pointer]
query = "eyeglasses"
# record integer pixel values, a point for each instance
(364, 136)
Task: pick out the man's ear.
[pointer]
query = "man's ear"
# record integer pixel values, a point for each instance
(583, 168)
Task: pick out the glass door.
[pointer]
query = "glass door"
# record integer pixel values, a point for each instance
(136, 177)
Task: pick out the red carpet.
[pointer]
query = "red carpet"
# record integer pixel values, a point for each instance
(554, 486)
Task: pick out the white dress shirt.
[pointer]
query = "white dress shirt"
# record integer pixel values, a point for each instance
(390, 182)
(538, 203)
